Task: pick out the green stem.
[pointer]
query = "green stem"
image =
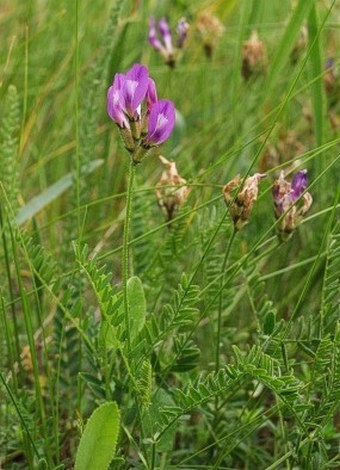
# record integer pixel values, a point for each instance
(126, 236)
(220, 302)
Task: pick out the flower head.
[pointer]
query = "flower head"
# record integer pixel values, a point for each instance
(132, 103)
(210, 29)
(171, 191)
(254, 56)
(240, 207)
(125, 95)
(160, 38)
(291, 201)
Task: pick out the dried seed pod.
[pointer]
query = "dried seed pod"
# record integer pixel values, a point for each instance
(171, 191)
(254, 56)
(240, 207)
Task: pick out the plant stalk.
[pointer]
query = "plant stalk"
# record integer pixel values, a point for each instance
(220, 302)
(126, 258)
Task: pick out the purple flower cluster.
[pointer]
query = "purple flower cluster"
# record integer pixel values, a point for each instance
(291, 201)
(160, 38)
(133, 104)
(285, 194)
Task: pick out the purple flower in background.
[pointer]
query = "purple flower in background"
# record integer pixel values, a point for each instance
(153, 37)
(143, 120)
(160, 38)
(291, 201)
(161, 122)
(182, 32)
(164, 29)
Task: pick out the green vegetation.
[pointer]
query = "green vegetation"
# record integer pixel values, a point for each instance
(203, 331)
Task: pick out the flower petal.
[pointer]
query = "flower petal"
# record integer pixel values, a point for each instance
(152, 36)
(151, 95)
(161, 122)
(115, 101)
(165, 31)
(299, 183)
(182, 31)
(134, 88)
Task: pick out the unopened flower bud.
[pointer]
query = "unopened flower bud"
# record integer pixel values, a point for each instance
(240, 207)
(171, 191)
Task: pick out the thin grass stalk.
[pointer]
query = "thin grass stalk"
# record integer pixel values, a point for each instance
(10, 289)
(220, 300)
(10, 346)
(22, 421)
(27, 313)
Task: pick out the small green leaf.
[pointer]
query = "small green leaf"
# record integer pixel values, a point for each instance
(137, 305)
(269, 323)
(98, 443)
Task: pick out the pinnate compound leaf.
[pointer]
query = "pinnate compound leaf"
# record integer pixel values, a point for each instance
(137, 304)
(98, 443)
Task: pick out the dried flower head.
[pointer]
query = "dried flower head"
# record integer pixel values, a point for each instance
(331, 81)
(171, 191)
(210, 29)
(143, 120)
(254, 56)
(291, 201)
(240, 207)
(160, 38)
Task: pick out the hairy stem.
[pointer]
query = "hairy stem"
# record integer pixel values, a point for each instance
(220, 302)
(126, 259)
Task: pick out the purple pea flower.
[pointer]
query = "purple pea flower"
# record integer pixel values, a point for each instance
(135, 89)
(291, 201)
(160, 123)
(164, 29)
(153, 38)
(160, 38)
(126, 94)
(144, 121)
(182, 32)
(115, 102)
